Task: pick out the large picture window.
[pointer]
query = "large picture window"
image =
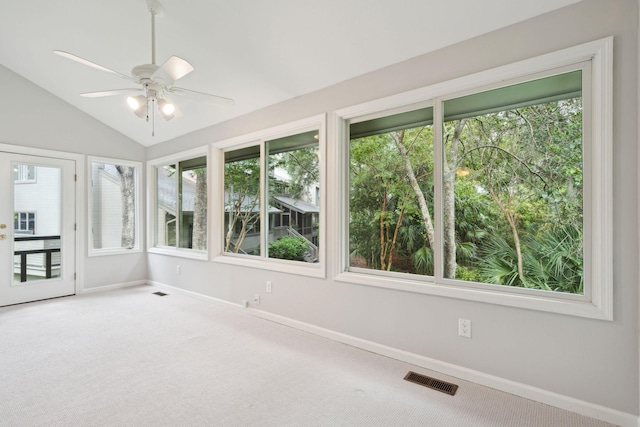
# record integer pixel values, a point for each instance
(497, 193)
(280, 219)
(391, 180)
(270, 207)
(114, 206)
(513, 185)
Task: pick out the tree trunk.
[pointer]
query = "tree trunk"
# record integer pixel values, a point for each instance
(127, 182)
(514, 228)
(200, 211)
(450, 165)
(383, 211)
(398, 137)
(233, 218)
(395, 239)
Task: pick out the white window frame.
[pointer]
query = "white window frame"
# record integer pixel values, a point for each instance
(35, 219)
(23, 171)
(152, 200)
(597, 301)
(260, 138)
(138, 201)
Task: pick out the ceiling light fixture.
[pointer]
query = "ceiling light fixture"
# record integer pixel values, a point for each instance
(157, 81)
(167, 109)
(139, 105)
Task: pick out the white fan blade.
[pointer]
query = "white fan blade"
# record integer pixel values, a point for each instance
(204, 97)
(110, 93)
(173, 69)
(89, 63)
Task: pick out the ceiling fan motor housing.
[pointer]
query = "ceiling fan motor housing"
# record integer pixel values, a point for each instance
(144, 71)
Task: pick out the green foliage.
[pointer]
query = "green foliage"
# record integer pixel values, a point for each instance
(553, 261)
(301, 165)
(520, 180)
(288, 247)
(468, 274)
(242, 204)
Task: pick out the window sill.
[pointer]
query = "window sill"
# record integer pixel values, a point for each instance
(181, 253)
(573, 305)
(115, 251)
(290, 267)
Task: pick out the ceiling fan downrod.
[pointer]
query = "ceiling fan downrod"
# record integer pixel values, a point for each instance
(155, 8)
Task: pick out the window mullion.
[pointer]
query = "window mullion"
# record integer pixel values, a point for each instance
(264, 209)
(438, 153)
(178, 203)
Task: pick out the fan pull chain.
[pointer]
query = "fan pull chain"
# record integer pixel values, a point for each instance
(153, 119)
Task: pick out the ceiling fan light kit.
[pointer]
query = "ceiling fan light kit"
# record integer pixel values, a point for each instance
(156, 81)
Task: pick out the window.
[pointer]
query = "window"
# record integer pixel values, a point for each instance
(512, 185)
(114, 206)
(242, 210)
(489, 189)
(24, 223)
(287, 225)
(271, 210)
(391, 180)
(24, 174)
(180, 205)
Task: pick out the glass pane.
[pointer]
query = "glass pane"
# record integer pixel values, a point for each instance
(166, 206)
(293, 194)
(113, 206)
(193, 206)
(242, 201)
(513, 195)
(24, 173)
(391, 194)
(37, 250)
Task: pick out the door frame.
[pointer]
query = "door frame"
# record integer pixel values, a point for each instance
(80, 182)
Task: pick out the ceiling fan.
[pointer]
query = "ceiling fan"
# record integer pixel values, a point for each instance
(156, 81)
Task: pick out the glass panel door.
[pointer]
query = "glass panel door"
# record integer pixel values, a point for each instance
(37, 238)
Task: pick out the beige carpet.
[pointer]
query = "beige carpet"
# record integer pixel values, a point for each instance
(131, 358)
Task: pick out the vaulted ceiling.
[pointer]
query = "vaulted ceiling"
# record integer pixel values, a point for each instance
(256, 52)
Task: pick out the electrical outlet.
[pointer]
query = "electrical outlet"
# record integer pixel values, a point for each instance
(464, 328)
(178, 269)
(268, 286)
(256, 299)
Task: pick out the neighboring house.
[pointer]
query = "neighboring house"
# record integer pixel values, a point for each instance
(107, 206)
(37, 213)
(168, 206)
(287, 216)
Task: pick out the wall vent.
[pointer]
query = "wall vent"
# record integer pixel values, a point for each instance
(432, 383)
(160, 294)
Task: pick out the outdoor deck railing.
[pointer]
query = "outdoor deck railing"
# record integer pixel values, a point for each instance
(48, 264)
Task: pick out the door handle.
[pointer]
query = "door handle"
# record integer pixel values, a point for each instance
(3, 237)
(3, 226)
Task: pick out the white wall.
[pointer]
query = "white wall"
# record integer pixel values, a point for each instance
(592, 361)
(32, 117)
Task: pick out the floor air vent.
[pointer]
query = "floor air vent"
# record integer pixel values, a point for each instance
(160, 294)
(433, 383)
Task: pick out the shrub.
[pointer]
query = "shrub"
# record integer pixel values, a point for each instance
(288, 247)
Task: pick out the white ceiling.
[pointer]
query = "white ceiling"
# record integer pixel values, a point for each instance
(257, 52)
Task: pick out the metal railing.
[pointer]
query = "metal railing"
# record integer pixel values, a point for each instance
(48, 259)
(312, 250)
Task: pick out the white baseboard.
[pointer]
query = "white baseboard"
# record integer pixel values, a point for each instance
(192, 294)
(112, 287)
(599, 412)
